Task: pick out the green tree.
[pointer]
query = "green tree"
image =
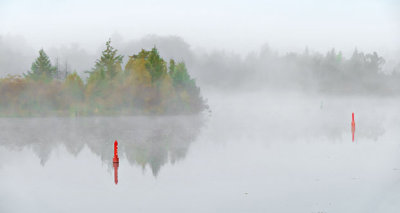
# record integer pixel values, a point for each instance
(100, 82)
(171, 67)
(109, 62)
(41, 69)
(156, 65)
(180, 76)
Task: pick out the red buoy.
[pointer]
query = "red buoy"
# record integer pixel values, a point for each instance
(353, 126)
(115, 159)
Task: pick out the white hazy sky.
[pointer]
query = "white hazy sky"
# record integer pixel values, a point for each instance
(239, 26)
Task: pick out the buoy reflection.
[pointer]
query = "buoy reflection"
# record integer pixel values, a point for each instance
(353, 126)
(115, 165)
(116, 162)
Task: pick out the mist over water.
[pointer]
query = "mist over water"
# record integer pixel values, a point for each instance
(146, 141)
(276, 138)
(253, 114)
(257, 152)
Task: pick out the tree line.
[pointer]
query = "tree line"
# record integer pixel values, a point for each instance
(311, 72)
(146, 85)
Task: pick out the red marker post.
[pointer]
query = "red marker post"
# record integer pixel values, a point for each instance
(116, 162)
(353, 126)
(115, 159)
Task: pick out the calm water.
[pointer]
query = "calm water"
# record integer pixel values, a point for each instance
(255, 152)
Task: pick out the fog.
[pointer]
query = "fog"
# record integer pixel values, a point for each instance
(232, 25)
(268, 129)
(256, 152)
(225, 70)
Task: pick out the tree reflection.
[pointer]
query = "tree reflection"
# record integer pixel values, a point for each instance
(152, 141)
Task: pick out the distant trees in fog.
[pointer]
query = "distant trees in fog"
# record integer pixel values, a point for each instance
(331, 73)
(144, 86)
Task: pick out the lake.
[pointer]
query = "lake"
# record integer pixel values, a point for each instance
(254, 152)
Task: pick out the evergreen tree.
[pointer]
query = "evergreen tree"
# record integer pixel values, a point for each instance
(156, 65)
(41, 69)
(100, 82)
(181, 77)
(171, 67)
(109, 62)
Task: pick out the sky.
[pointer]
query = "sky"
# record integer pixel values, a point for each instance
(238, 26)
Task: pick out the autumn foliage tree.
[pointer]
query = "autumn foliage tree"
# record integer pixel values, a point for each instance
(144, 86)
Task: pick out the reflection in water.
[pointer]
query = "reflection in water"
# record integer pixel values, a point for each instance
(116, 162)
(115, 165)
(143, 140)
(353, 125)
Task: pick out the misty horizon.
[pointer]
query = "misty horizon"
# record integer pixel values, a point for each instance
(265, 68)
(200, 106)
(81, 59)
(233, 26)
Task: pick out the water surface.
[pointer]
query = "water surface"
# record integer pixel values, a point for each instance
(255, 152)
